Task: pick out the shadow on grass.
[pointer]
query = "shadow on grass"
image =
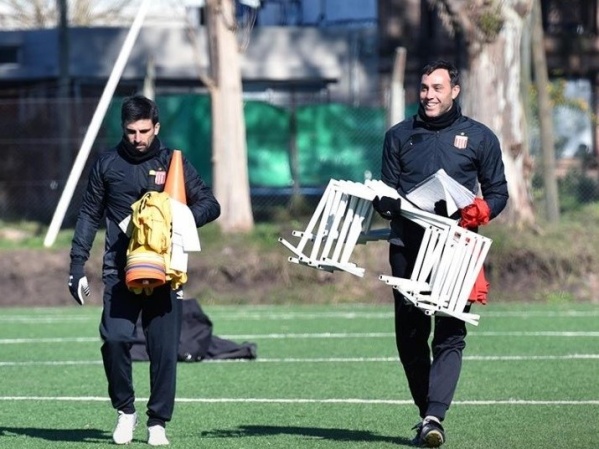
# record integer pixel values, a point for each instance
(74, 435)
(309, 432)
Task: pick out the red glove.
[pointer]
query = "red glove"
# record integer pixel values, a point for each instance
(480, 289)
(475, 214)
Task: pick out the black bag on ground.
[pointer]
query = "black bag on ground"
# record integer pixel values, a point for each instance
(196, 332)
(221, 349)
(196, 342)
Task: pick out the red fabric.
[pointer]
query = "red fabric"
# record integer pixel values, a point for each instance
(475, 214)
(480, 289)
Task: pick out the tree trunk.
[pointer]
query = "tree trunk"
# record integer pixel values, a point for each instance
(545, 116)
(491, 91)
(229, 148)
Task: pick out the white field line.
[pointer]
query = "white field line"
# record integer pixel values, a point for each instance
(52, 363)
(289, 316)
(324, 335)
(508, 402)
(320, 335)
(351, 315)
(30, 319)
(492, 358)
(17, 341)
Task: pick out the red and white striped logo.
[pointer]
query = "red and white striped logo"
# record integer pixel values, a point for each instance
(160, 177)
(460, 141)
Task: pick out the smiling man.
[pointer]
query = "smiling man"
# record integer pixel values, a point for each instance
(438, 90)
(437, 137)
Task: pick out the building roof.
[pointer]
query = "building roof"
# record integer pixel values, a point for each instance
(273, 53)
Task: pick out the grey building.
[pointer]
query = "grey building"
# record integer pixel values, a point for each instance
(336, 61)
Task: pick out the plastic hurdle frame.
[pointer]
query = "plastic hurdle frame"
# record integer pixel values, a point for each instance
(448, 261)
(342, 219)
(447, 265)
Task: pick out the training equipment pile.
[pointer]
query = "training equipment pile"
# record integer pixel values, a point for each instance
(449, 260)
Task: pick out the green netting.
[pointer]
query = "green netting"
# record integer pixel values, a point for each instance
(340, 142)
(185, 124)
(333, 140)
(267, 136)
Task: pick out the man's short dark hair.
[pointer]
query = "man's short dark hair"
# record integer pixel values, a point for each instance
(454, 74)
(138, 107)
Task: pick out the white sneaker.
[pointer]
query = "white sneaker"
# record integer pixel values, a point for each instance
(125, 424)
(157, 436)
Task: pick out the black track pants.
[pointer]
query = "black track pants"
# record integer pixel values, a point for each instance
(161, 321)
(432, 383)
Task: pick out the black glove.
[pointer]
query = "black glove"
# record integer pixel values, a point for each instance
(387, 207)
(78, 285)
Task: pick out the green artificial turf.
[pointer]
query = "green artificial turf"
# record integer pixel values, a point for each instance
(325, 377)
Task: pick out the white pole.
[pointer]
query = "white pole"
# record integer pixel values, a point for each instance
(94, 126)
(397, 102)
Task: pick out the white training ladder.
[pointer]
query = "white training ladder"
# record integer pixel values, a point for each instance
(342, 219)
(447, 265)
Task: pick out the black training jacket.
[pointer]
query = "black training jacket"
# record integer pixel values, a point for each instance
(115, 183)
(411, 153)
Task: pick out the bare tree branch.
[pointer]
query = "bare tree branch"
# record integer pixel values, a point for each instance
(26, 14)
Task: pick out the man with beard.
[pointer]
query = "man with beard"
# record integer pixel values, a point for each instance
(118, 179)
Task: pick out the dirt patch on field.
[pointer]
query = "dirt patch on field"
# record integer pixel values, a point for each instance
(39, 277)
(236, 275)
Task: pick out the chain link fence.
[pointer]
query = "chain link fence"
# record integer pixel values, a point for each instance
(293, 147)
(39, 140)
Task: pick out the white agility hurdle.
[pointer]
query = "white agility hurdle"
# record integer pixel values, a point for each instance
(448, 261)
(341, 220)
(447, 266)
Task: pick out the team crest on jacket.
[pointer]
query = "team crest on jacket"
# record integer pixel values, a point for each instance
(460, 141)
(159, 177)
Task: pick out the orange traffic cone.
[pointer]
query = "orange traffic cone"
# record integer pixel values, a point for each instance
(175, 179)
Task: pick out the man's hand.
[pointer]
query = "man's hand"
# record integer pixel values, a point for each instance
(475, 214)
(387, 207)
(78, 285)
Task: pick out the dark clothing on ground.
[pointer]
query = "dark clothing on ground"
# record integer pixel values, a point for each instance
(413, 150)
(118, 179)
(197, 341)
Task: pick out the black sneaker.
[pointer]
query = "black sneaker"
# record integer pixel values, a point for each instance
(416, 440)
(432, 433)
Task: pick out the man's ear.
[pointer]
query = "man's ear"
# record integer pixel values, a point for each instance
(455, 91)
(156, 128)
